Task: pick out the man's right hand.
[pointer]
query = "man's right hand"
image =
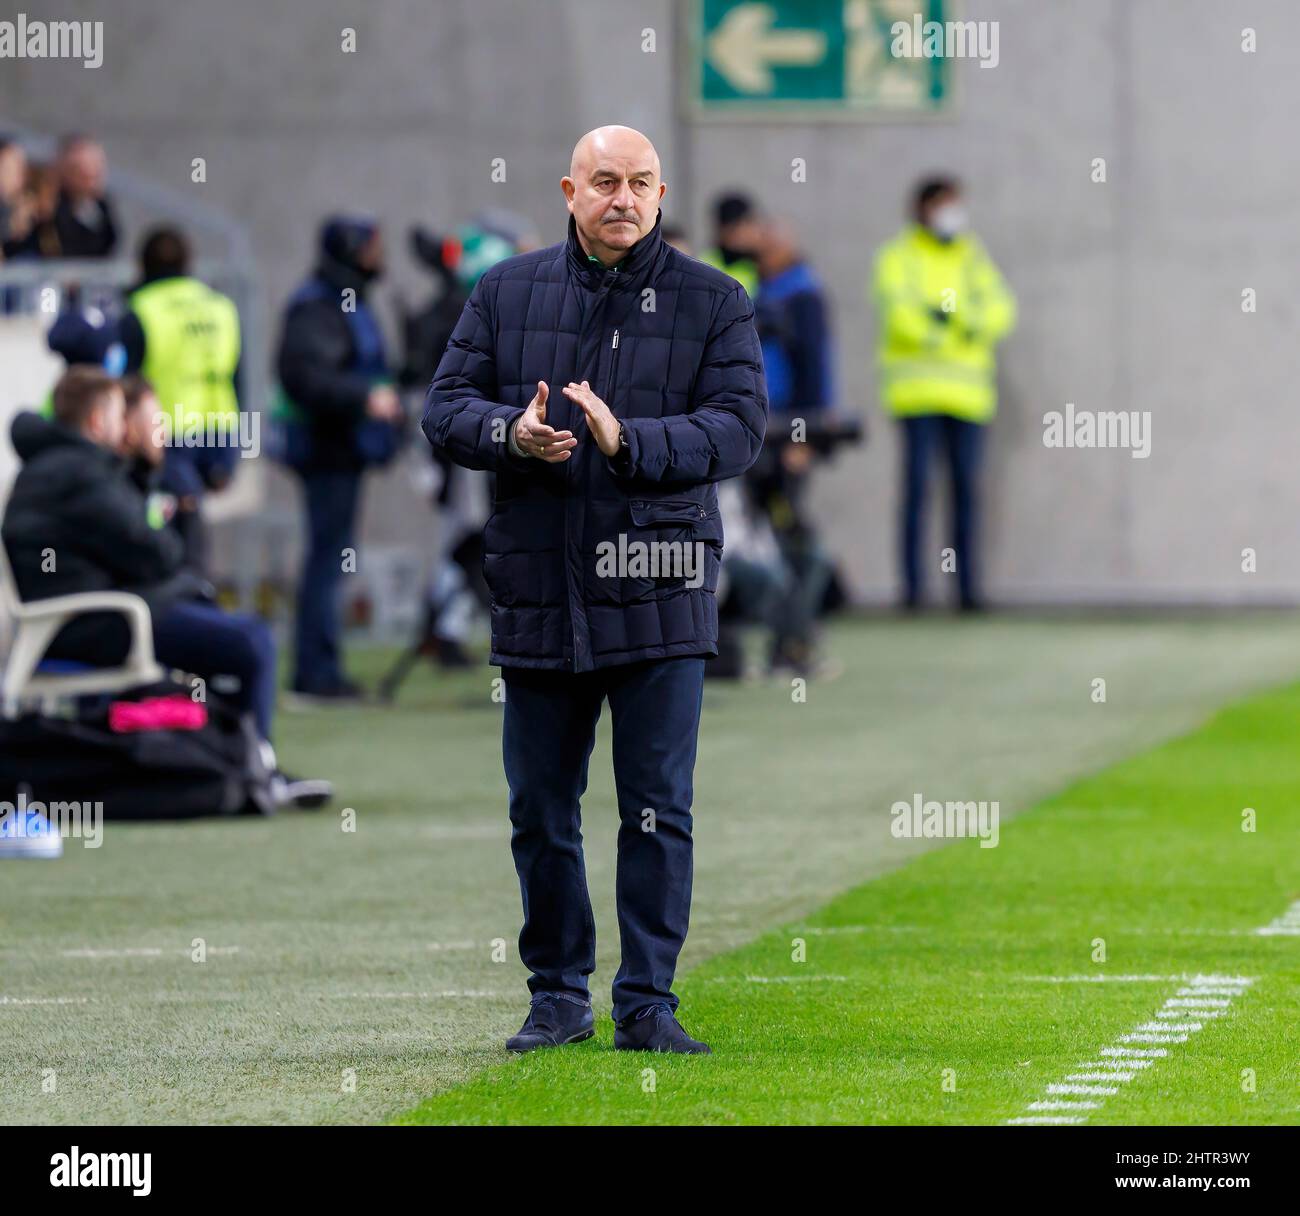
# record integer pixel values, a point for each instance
(535, 438)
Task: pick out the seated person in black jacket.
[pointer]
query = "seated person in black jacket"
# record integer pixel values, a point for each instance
(77, 521)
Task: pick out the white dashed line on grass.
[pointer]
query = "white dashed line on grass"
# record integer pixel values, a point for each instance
(779, 979)
(1118, 1064)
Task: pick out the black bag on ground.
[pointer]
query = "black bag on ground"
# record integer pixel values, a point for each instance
(150, 774)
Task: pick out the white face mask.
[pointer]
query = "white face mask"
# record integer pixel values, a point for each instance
(948, 220)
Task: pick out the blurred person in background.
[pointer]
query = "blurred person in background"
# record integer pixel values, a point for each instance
(456, 590)
(793, 322)
(83, 221)
(142, 451)
(341, 415)
(15, 204)
(75, 495)
(675, 235)
(737, 234)
(184, 338)
(792, 317)
(942, 308)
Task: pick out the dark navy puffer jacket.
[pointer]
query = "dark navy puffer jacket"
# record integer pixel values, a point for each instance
(669, 345)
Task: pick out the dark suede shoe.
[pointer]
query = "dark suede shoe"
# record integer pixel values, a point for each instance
(655, 1028)
(553, 1020)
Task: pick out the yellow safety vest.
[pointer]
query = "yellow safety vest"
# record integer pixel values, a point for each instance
(744, 271)
(191, 350)
(931, 366)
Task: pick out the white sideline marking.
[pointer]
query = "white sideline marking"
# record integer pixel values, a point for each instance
(1055, 1105)
(829, 929)
(44, 1000)
(787, 979)
(413, 996)
(450, 946)
(779, 979)
(1171, 1024)
(1286, 925)
(1050, 1119)
(1103, 977)
(143, 952)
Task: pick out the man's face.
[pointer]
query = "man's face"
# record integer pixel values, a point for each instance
(371, 257)
(13, 171)
(613, 192)
(141, 435)
(83, 170)
(106, 425)
(945, 215)
(743, 236)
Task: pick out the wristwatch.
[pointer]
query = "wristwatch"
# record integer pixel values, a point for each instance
(622, 439)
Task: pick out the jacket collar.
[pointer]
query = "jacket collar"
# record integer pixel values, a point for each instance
(340, 276)
(33, 435)
(634, 267)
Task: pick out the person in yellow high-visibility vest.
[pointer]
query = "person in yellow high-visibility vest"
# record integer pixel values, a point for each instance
(942, 307)
(184, 338)
(737, 232)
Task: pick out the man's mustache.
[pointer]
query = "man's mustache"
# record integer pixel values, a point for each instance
(629, 218)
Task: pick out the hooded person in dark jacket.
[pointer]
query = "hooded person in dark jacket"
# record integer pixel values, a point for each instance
(610, 382)
(76, 521)
(346, 415)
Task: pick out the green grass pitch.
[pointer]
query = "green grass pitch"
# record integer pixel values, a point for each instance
(352, 977)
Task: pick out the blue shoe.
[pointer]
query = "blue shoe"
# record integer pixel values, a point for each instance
(656, 1028)
(554, 1019)
(25, 833)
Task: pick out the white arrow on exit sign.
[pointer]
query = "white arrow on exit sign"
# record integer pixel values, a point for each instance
(744, 48)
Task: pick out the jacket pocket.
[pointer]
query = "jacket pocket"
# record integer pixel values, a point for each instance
(683, 511)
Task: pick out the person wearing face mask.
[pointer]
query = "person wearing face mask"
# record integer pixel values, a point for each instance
(942, 308)
(738, 236)
(337, 415)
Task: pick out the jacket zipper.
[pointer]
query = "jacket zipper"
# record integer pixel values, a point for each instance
(605, 286)
(613, 372)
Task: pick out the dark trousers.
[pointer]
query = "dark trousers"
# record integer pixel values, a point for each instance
(962, 443)
(547, 739)
(331, 500)
(205, 641)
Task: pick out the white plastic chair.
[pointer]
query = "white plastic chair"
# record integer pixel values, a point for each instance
(34, 626)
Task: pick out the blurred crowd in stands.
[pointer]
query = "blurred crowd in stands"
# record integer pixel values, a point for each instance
(56, 210)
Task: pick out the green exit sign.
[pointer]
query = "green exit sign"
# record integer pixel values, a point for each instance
(815, 58)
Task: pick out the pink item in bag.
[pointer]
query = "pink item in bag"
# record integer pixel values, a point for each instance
(175, 712)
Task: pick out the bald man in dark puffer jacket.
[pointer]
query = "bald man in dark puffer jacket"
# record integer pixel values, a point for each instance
(610, 382)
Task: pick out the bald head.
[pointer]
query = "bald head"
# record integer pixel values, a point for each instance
(613, 190)
(613, 142)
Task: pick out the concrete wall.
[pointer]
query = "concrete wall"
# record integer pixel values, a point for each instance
(1130, 291)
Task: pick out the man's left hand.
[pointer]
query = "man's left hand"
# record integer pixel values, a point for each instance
(602, 424)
